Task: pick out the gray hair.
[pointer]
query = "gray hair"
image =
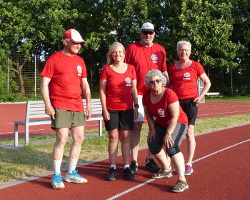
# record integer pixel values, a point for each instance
(109, 58)
(152, 73)
(182, 43)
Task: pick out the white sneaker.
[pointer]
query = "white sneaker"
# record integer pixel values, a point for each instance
(74, 177)
(56, 182)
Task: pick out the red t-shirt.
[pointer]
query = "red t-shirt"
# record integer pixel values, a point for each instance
(160, 111)
(184, 81)
(66, 75)
(145, 59)
(119, 88)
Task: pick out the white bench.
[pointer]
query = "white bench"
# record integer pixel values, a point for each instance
(35, 115)
(213, 94)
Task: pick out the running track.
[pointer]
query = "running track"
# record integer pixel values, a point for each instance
(221, 171)
(16, 112)
(221, 167)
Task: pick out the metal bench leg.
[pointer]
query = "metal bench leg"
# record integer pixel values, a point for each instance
(15, 135)
(100, 127)
(26, 134)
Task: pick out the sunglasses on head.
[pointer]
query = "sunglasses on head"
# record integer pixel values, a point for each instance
(147, 32)
(155, 81)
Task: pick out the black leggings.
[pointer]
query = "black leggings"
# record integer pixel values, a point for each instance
(178, 135)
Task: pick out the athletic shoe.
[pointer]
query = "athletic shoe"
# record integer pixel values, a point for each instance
(162, 174)
(111, 175)
(134, 166)
(74, 177)
(56, 182)
(151, 165)
(188, 169)
(128, 174)
(181, 186)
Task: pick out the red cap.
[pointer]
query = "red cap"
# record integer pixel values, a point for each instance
(73, 35)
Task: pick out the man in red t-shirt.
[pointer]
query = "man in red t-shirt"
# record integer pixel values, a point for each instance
(144, 56)
(64, 79)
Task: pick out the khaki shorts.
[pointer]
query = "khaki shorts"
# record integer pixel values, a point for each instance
(67, 119)
(140, 110)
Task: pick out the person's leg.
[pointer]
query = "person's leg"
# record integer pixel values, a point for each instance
(125, 145)
(178, 161)
(61, 139)
(135, 140)
(162, 159)
(191, 144)
(113, 145)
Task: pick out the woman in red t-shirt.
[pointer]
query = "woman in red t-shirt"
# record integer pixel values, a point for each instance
(183, 76)
(119, 100)
(167, 127)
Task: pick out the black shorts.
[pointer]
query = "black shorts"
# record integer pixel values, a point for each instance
(190, 108)
(120, 119)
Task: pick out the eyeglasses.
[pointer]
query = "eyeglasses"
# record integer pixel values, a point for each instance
(183, 50)
(147, 32)
(155, 81)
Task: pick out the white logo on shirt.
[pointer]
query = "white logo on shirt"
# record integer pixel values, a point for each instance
(161, 112)
(79, 70)
(154, 58)
(128, 81)
(186, 76)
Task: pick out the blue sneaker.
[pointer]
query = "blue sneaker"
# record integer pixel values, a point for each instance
(56, 182)
(188, 169)
(74, 177)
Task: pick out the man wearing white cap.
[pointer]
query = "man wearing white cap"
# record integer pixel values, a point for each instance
(145, 56)
(64, 79)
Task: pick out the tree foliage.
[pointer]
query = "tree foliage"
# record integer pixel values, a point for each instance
(218, 30)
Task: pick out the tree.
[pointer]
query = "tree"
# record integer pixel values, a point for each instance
(32, 27)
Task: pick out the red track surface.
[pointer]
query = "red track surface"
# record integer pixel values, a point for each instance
(16, 112)
(220, 167)
(220, 172)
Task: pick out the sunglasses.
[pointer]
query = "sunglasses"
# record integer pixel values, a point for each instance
(147, 32)
(155, 81)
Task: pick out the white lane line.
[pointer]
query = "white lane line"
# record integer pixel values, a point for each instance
(197, 160)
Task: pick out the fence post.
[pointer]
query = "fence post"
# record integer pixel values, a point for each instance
(8, 75)
(35, 76)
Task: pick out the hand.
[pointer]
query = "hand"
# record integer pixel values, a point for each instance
(135, 113)
(88, 112)
(49, 110)
(106, 115)
(168, 141)
(198, 100)
(151, 135)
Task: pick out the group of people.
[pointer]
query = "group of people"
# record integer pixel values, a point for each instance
(135, 84)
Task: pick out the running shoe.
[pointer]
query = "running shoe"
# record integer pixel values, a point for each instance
(134, 166)
(181, 186)
(188, 169)
(128, 174)
(151, 165)
(162, 174)
(56, 182)
(74, 177)
(111, 175)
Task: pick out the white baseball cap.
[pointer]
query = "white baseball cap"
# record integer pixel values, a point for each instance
(147, 27)
(73, 35)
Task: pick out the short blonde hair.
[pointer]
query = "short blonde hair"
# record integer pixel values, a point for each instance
(109, 57)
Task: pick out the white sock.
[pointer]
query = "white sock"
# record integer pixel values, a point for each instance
(125, 166)
(113, 166)
(57, 166)
(72, 165)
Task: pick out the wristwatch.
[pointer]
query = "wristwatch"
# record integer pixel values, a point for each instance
(136, 105)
